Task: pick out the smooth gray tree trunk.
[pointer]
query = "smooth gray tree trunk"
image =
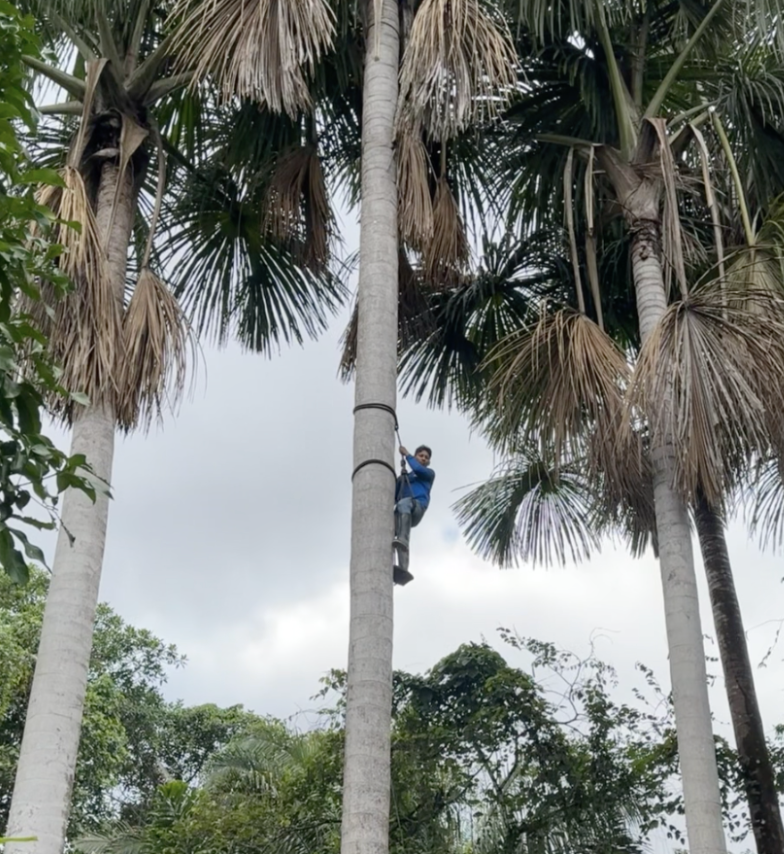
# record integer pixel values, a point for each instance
(366, 782)
(696, 747)
(44, 779)
(759, 780)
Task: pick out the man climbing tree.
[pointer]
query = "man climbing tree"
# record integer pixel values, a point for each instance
(412, 496)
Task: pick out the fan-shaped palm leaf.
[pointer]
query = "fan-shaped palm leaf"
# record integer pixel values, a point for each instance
(442, 359)
(531, 513)
(459, 64)
(233, 281)
(256, 49)
(560, 381)
(710, 379)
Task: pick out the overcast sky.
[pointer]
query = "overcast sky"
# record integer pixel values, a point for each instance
(229, 536)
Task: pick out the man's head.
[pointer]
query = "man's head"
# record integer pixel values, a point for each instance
(423, 454)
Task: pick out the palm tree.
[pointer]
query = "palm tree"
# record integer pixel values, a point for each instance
(533, 511)
(124, 346)
(634, 150)
(452, 53)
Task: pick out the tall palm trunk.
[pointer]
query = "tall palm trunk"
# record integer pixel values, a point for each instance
(44, 779)
(366, 781)
(688, 675)
(758, 777)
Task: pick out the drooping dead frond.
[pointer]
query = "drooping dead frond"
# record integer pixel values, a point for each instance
(83, 327)
(415, 207)
(459, 65)
(298, 210)
(414, 318)
(82, 255)
(560, 383)
(157, 340)
(348, 356)
(710, 197)
(672, 236)
(93, 71)
(448, 253)
(591, 262)
(257, 49)
(710, 381)
(626, 501)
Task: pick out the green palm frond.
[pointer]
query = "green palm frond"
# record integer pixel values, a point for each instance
(232, 281)
(442, 359)
(258, 761)
(749, 95)
(529, 512)
(122, 838)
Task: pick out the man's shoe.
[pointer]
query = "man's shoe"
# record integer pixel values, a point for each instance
(401, 576)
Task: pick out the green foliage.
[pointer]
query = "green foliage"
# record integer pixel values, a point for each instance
(537, 757)
(32, 469)
(132, 739)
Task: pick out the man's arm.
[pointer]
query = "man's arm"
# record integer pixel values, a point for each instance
(422, 471)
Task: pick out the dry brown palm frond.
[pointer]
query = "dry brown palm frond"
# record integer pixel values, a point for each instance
(84, 326)
(415, 206)
(672, 235)
(447, 254)
(93, 72)
(414, 318)
(753, 273)
(626, 492)
(257, 49)
(76, 230)
(710, 381)
(560, 382)
(348, 355)
(157, 341)
(459, 64)
(298, 209)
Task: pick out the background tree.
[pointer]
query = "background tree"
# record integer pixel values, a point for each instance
(119, 334)
(33, 471)
(133, 738)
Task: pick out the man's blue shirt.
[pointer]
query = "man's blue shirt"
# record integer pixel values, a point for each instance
(419, 482)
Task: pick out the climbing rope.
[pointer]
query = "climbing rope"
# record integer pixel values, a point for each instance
(403, 471)
(384, 408)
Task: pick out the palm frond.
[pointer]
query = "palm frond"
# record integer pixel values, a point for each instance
(84, 327)
(157, 342)
(414, 318)
(231, 277)
(447, 253)
(442, 359)
(529, 512)
(710, 380)
(415, 206)
(764, 503)
(459, 65)
(559, 382)
(262, 50)
(123, 838)
(298, 212)
(76, 230)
